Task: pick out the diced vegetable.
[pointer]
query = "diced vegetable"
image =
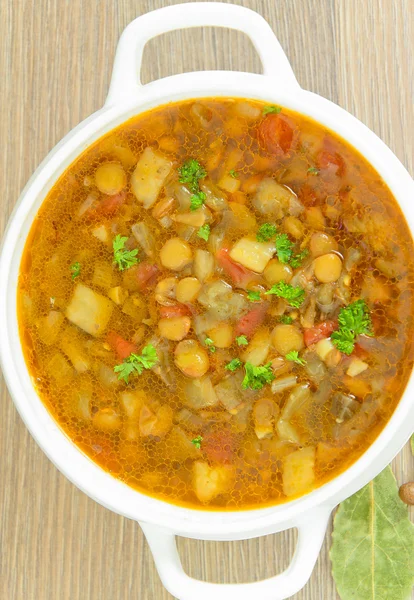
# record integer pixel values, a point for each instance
(121, 347)
(299, 471)
(176, 254)
(118, 294)
(191, 358)
(283, 383)
(323, 330)
(327, 267)
(248, 324)
(258, 349)
(101, 233)
(174, 328)
(209, 482)
(103, 275)
(144, 238)
(188, 289)
(132, 402)
(251, 254)
(59, 368)
(107, 419)
(155, 424)
(264, 413)
(73, 348)
(89, 310)
(286, 338)
(222, 335)
(199, 393)
(48, 327)
(149, 176)
(238, 273)
(276, 271)
(356, 367)
(275, 134)
(110, 178)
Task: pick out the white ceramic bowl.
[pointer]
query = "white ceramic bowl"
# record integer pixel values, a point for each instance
(162, 521)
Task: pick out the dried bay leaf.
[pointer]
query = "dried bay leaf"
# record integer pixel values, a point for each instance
(372, 550)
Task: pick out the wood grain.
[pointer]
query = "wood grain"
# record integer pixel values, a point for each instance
(55, 63)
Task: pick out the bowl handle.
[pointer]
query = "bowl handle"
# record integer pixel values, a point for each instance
(126, 83)
(311, 533)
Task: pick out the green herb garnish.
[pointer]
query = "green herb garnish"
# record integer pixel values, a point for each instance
(253, 295)
(285, 319)
(353, 320)
(75, 269)
(266, 232)
(297, 259)
(313, 170)
(210, 344)
(256, 377)
(123, 258)
(293, 356)
(190, 173)
(271, 110)
(204, 232)
(284, 247)
(197, 200)
(197, 441)
(234, 364)
(242, 340)
(293, 295)
(137, 363)
(233, 174)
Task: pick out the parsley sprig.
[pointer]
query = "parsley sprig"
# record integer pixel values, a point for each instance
(75, 269)
(285, 319)
(256, 377)
(253, 295)
(266, 232)
(284, 248)
(294, 295)
(210, 344)
(271, 109)
(242, 340)
(353, 320)
(297, 259)
(234, 364)
(293, 356)
(190, 173)
(122, 257)
(136, 363)
(204, 232)
(197, 441)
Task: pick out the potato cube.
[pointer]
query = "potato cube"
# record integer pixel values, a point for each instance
(148, 178)
(298, 471)
(209, 482)
(89, 310)
(252, 254)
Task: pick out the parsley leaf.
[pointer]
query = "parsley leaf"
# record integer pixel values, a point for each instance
(233, 174)
(353, 320)
(293, 295)
(271, 109)
(297, 259)
(204, 232)
(191, 172)
(293, 356)
(242, 340)
(266, 232)
(75, 269)
(256, 377)
(197, 200)
(210, 344)
(283, 248)
(197, 441)
(253, 295)
(313, 171)
(234, 364)
(136, 363)
(285, 319)
(123, 258)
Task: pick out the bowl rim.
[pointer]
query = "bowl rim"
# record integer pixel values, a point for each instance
(70, 460)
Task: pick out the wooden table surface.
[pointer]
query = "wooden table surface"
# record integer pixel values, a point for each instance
(55, 61)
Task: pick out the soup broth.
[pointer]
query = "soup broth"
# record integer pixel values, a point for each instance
(216, 303)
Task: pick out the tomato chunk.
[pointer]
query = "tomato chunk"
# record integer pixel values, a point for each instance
(331, 163)
(275, 134)
(219, 446)
(176, 310)
(146, 275)
(251, 320)
(119, 345)
(111, 204)
(239, 274)
(319, 332)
